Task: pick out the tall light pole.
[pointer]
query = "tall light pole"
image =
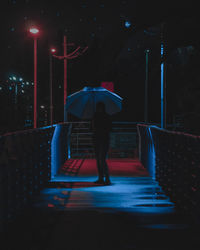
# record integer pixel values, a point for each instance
(146, 86)
(34, 31)
(65, 57)
(52, 51)
(65, 73)
(163, 78)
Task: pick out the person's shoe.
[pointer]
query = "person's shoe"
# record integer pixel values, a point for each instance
(107, 182)
(99, 181)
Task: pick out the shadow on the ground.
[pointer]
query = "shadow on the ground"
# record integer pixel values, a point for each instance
(81, 184)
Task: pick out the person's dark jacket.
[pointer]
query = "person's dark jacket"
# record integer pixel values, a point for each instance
(101, 125)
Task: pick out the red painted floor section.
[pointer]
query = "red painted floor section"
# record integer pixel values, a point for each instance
(117, 167)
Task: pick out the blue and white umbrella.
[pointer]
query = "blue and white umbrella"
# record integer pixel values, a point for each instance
(82, 103)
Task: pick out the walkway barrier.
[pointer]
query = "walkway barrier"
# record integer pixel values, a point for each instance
(25, 163)
(177, 165)
(60, 146)
(123, 141)
(146, 149)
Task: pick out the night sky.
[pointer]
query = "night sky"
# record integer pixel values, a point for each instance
(115, 52)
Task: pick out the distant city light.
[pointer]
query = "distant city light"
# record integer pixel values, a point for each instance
(14, 78)
(0, 88)
(127, 24)
(10, 78)
(22, 91)
(10, 88)
(20, 79)
(32, 83)
(27, 83)
(42, 106)
(162, 50)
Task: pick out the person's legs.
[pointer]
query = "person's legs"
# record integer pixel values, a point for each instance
(97, 147)
(104, 152)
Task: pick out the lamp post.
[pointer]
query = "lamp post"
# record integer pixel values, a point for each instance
(146, 86)
(34, 31)
(52, 51)
(65, 57)
(163, 78)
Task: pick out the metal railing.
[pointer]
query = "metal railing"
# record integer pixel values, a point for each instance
(176, 164)
(25, 165)
(123, 141)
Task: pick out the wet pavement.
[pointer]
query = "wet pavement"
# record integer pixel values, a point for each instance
(75, 213)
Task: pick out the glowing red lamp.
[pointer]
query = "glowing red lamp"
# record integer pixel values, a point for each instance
(53, 50)
(34, 31)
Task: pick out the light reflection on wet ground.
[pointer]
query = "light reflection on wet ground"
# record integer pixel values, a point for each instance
(135, 195)
(133, 213)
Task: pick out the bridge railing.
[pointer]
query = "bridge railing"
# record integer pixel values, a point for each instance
(123, 141)
(175, 159)
(25, 168)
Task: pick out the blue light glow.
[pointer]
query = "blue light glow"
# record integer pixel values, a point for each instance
(55, 149)
(151, 156)
(162, 94)
(69, 152)
(127, 24)
(162, 50)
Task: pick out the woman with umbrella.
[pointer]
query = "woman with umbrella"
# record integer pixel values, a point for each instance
(96, 104)
(101, 125)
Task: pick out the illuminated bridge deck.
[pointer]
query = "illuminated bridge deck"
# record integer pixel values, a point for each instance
(132, 213)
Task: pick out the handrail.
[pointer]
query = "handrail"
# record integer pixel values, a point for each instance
(25, 163)
(177, 166)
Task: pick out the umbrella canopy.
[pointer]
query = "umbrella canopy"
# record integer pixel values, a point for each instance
(82, 104)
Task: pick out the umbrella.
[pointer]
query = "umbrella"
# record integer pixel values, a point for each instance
(82, 103)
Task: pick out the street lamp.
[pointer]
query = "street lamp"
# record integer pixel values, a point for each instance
(52, 51)
(34, 31)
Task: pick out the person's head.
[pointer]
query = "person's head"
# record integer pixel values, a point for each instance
(100, 107)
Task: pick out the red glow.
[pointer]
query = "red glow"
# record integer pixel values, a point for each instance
(34, 31)
(117, 167)
(50, 205)
(108, 85)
